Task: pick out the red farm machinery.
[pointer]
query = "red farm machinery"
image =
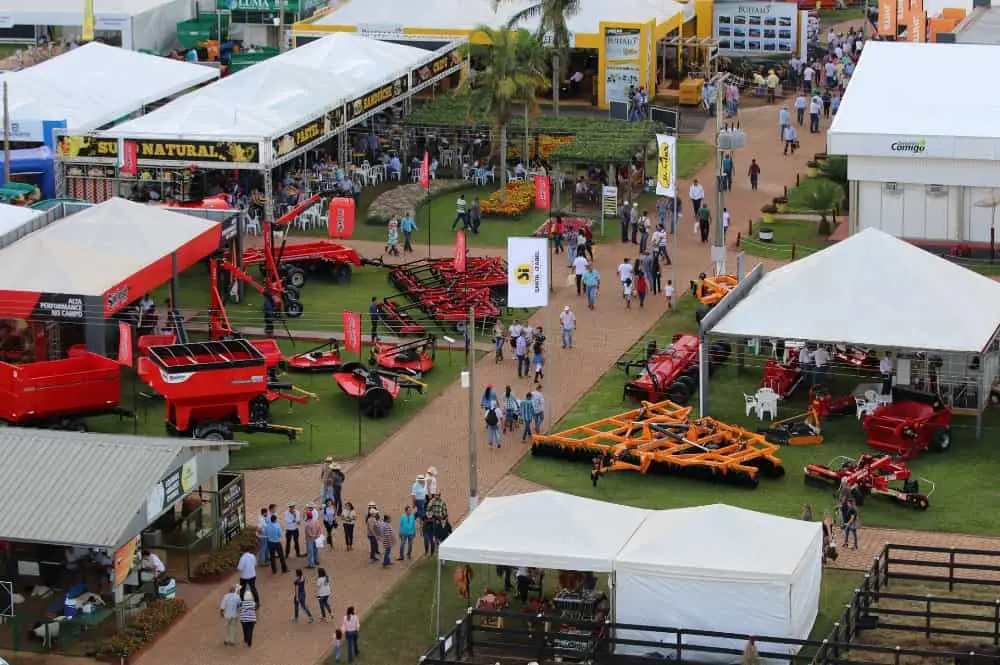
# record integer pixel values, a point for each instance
(670, 373)
(912, 423)
(872, 475)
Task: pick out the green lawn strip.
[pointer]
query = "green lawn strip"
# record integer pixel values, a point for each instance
(799, 195)
(400, 628)
(965, 475)
(831, 16)
(793, 239)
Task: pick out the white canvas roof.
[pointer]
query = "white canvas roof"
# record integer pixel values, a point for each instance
(954, 120)
(92, 251)
(871, 289)
(58, 7)
(263, 102)
(12, 218)
(719, 542)
(96, 84)
(386, 15)
(544, 529)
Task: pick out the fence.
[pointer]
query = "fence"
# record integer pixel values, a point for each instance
(514, 637)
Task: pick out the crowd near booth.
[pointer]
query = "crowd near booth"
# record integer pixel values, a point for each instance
(64, 282)
(73, 93)
(259, 125)
(709, 568)
(929, 172)
(131, 24)
(105, 552)
(846, 295)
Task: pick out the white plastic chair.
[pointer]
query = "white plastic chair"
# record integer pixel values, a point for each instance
(864, 407)
(414, 175)
(751, 403)
(251, 224)
(883, 400)
(871, 396)
(767, 402)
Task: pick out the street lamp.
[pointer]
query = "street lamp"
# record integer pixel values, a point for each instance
(728, 138)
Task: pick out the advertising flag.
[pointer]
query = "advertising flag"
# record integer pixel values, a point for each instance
(124, 344)
(542, 199)
(352, 332)
(460, 252)
(340, 218)
(917, 28)
(887, 17)
(87, 33)
(527, 272)
(124, 558)
(425, 172)
(128, 157)
(666, 170)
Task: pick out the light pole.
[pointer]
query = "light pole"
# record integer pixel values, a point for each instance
(728, 138)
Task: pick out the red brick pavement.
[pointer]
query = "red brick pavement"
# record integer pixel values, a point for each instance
(437, 436)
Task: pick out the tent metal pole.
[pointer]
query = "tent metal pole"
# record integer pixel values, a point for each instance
(702, 377)
(437, 597)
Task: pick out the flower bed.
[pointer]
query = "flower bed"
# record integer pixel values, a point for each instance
(223, 561)
(573, 224)
(151, 622)
(520, 199)
(405, 199)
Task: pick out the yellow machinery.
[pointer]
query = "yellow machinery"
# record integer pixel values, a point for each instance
(690, 90)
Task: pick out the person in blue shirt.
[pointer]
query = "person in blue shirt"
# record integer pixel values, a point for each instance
(407, 532)
(592, 282)
(408, 226)
(395, 166)
(784, 120)
(527, 415)
(273, 533)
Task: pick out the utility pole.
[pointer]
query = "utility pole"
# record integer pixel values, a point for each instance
(281, 26)
(728, 138)
(6, 136)
(473, 452)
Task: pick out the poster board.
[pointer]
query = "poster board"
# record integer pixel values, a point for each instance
(756, 29)
(626, 59)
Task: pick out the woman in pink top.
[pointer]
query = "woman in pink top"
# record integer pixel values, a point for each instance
(350, 627)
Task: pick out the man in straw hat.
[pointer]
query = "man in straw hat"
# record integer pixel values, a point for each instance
(230, 611)
(293, 518)
(419, 494)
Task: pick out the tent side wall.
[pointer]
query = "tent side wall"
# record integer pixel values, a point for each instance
(156, 28)
(805, 591)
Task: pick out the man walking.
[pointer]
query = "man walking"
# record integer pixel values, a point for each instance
(625, 215)
(579, 268)
(408, 226)
(704, 220)
(293, 518)
(313, 531)
(791, 137)
(697, 194)
(460, 214)
(815, 105)
(373, 315)
(247, 565)
(230, 611)
(784, 121)
(388, 540)
(754, 173)
(538, 406)
(274, 546)
(567, 324)
(591, 282)
(475, 216)
(521, 354)
(527, 415)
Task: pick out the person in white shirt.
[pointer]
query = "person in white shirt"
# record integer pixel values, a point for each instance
(625, 271)
(885, 369)
(697, 194)
(815, 106)
(807, 78)
(230, 611)
(821, 359)
(668, 291)
(293, 518)
(247, 565)
(152, 564)
(262, 521)
(725, 221)
(806, 363)
(790, 136)
(800, 108)
(567, 323)
(575, 81)
(579, 267)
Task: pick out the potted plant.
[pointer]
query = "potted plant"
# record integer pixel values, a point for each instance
(769, 211)
(820, 157)
(812, 169)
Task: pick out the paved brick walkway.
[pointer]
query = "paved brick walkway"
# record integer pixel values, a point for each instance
(437, 436)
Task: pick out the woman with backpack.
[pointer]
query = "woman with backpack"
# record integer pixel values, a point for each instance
(493, 418)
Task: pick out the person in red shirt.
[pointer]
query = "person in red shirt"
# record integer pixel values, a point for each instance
(641, 287)
(557, 228)
(589, 235)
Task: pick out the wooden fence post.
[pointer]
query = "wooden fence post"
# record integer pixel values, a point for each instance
(951, 570)
(927, 614)
(793, 251)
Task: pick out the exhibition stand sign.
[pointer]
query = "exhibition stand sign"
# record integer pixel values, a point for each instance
(208, 154)
(625, 60)
(749, 29)
(325, 126)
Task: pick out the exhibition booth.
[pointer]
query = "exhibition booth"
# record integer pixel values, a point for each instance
(940, 320)
(82, 91)
(263, 117)
(68, 570)
(930, 170)
(708, 568)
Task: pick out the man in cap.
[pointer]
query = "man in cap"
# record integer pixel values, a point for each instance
(293, 518)
(337, 479)
(419, 494)
(230, 611)
(567, 324)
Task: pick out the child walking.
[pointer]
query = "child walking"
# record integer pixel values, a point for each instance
(338, 639)
(669, 293)
(299, 597)
(392, 241)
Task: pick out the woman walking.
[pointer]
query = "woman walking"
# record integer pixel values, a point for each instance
(329, 521)
(299, 597)
(350, 627)
(348, 517)
(248, 617)
(323, 594)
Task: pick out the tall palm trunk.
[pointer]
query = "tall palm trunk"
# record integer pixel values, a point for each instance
(503, 162)
(555, 83)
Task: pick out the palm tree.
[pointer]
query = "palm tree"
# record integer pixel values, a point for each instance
(551, 15)
(513, 76)
(824, 197)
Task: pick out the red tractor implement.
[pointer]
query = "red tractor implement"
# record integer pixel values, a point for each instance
(297, 261)
(855, 357)
(912, 423)
(213, 389)
(375, 388)
(670, 373)
(783, 377)
(395, 315)
(870, 474)
(805, 429)
(322, 358)
(59, 394)
(416, 357)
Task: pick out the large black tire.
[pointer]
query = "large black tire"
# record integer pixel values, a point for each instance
(341, 273)
(701, 311)
(376, 402)
(293, 308)
(693, 372)
(692, 384)
(290, 292)
(941, 439)
(296, 277)
(213, 432)
(678, 393)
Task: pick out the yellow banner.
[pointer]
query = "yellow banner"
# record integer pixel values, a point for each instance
(666, 172)
(87, 34)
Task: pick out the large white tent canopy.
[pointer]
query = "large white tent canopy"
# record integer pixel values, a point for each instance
(280, 94)
(871, 289)
(13, 220)
(544, 529)
(91, 86)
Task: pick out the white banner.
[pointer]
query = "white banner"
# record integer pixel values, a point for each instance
(666, 166)
(527, 272)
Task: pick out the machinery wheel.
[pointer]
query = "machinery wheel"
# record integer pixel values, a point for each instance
(293, 308)
(290, 292)
(341, 273)
(678, 393)
(911, 486)
(295, 277)
(74, 425)
(351, 367)
(213, 432)
(260, 410)
(692, 372)
(701, 312)
(692, 384)
(941, 439)
(918, 501)
(376, 402)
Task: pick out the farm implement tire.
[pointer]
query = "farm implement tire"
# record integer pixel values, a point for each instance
(296, 277)
(678, 393)
(213, 432)
(918, 501)
(342, 272)
(941, 440)
(376, 402)
(293, 307)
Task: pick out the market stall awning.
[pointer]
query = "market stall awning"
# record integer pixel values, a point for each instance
(94, 85)
(872, 290)
(544, 529)
(90, 490)
(113, 253)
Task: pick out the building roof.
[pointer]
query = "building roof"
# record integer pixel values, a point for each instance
(982, 27)
(61, 7)
(78, 489)
(13, 219)
(75, 86)
(952, 119)
(872, 290)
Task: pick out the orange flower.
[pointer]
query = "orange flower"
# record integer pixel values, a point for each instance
(520, 199)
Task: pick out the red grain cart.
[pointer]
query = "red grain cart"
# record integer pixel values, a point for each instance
(212, 389)
(912, 423)
(59, 394)
(297, 261)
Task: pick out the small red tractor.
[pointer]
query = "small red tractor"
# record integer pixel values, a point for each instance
(375, 388)
(670, 373)
(870, 474)
(805, 429)
(912, 423)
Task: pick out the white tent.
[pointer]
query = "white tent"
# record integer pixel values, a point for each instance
(76, 87)
(544, 529)
(13, 220)
(871, 289)
(143, 24)
(263, 102)
(719, 568)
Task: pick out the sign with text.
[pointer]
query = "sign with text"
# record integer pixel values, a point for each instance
(290, 6)
(666, 171)
(761, 29)
(124, 560)
(446, 61)
(232, 509)
(175, 486)
(322, 126)
(542, 200)
(59, 306)
(71, 147)
(352, 332)
(340, 218)
(527, 272)
(386, 94)
(888, 18)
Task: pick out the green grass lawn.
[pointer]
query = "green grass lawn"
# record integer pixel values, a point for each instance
(793, 239)
(833, 16)
(799, 196)
(400, 628)
(965, 475)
